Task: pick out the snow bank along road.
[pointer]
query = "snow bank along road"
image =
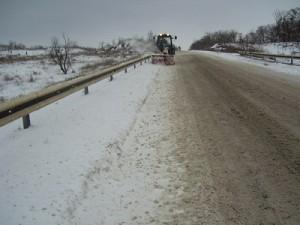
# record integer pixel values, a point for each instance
(207, 141)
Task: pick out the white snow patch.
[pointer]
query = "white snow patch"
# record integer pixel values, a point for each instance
(282, 67)
(21, 78)
(280, 48)
(47, 170)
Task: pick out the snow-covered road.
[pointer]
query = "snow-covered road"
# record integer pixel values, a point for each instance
(206, 141)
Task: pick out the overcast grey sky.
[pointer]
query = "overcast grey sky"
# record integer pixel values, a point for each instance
(90, 21)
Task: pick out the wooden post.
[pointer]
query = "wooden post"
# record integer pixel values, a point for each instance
(111, 77)
(292, 61)
(126, 70)
(86, 90)
(134, 66)
(26, 121)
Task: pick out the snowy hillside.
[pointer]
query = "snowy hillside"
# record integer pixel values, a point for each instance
(280, 48)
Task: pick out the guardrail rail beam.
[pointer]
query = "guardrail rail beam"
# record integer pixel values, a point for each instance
(21, 107)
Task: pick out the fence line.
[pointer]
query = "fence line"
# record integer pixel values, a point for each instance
(270, 56)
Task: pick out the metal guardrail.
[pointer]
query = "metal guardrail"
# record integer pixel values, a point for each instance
(270, 56)
(24, 105)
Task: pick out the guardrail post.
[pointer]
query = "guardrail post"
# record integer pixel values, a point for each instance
(26, 121)
(86, 90)
(111, 77)
(126, 70)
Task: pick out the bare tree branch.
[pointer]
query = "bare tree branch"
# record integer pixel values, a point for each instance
(61, 54)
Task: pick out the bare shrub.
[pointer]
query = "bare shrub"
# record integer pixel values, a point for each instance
(18, 80)
(8, 77)
(60, 54)
(31, 79)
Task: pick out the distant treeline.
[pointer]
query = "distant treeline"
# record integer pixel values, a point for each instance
(12, 45)
(286, 28)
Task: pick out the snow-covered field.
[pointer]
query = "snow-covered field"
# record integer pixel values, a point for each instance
(23, 77)
(282, 67)
(31, 52)
(68, 168)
